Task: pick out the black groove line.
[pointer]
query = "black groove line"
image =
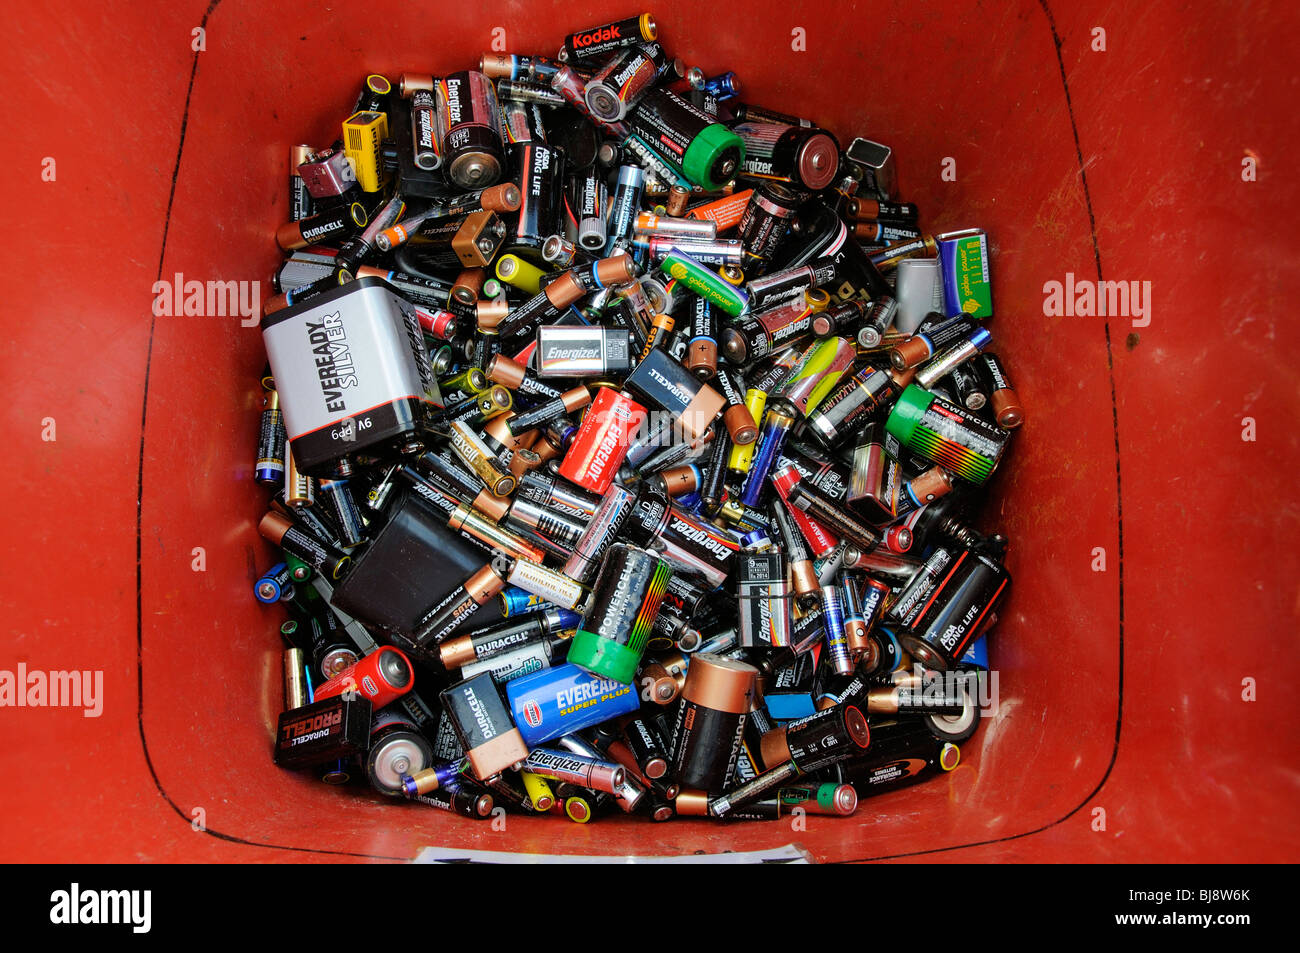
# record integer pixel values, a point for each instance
(1110, 364)
(139, 514)
(1119, 496)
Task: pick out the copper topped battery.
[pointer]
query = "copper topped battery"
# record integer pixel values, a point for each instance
(716, 698)
(807, 158)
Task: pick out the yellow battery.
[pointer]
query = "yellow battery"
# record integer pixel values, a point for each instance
(363, 134)
(518, 273)
(539, 792)
(742, 456)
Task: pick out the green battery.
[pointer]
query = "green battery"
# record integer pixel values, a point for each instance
(707, 153)
(298, 570)
(946, 434)
(706, 283)
(513, 270)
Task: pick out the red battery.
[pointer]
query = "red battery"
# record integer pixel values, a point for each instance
(820, 540)
(602, 440)
(383, 676)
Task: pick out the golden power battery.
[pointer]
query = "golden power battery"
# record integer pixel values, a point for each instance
(363, 134)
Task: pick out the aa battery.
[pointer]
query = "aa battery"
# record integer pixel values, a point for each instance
(597, 42)
(623, 206)
(321, 556)
(1006, 406)
(577, 769)
(269, 468)
(854, 402)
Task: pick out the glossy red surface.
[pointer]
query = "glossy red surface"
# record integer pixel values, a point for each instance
(1119, 690)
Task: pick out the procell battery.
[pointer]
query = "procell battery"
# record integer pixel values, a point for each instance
(700, 148)
(352, 374)
(469, 119)
(615, 627)
(323, 731)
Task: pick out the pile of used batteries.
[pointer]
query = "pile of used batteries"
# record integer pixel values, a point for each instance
(625, 439)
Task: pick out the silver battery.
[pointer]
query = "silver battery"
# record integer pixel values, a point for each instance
(554, 525)
(581, 351)
(576, 769)
(718, 252)
(919, 290)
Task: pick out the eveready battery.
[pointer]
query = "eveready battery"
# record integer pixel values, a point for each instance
(601, 443)
(352, 374)
(564, 699)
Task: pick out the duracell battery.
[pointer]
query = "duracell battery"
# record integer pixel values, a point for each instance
(483, 727)
(569, 402)
(706, 738)
(737, 418)
(324, 731)
(1006, 406)
(321, 556)
(484, 644)
(819, 740)
(327, 226)
(518, 378)
(665, 383)
(457, 606)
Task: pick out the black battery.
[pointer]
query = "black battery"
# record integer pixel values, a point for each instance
(322, 732)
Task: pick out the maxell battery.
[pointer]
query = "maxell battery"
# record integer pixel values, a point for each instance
(469, 120)
(326, 730)
(964, 260)
(566, 698)
(615, 627)
(483, 726)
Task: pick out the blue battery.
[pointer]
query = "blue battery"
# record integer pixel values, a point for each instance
(977, 654)
(516, 601)
(563, 699)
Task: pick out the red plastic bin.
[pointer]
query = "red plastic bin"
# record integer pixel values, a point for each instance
(1122, 731)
